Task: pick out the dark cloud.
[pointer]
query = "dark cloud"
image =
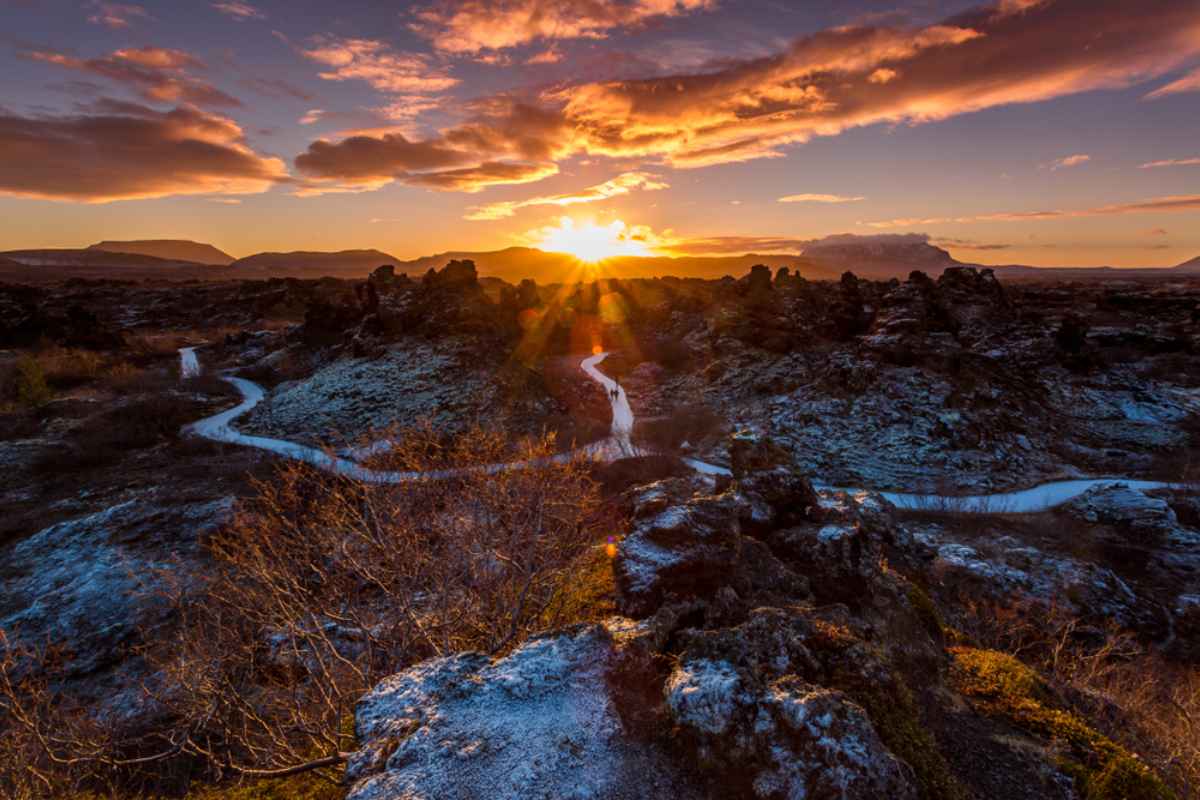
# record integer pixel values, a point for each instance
(123, 151)
(158, 74)
(272, 87)
(505, 143)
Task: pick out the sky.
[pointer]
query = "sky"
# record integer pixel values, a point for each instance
(1045, 132)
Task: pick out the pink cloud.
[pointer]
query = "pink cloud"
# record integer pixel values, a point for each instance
(159, 74)
(115, 15)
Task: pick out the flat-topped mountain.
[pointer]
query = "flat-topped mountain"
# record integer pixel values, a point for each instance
(170, 249)
(342, 263)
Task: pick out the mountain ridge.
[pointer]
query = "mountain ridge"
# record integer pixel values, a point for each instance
(169, 249)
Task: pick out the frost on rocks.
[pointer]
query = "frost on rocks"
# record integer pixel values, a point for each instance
(682, 549)
(412, 382)
(703, 695)
(81, 584)
(795, 739)
(539, 723)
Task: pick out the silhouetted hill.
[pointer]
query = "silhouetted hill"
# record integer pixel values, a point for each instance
(1192, 266)
(169, 249)
(303, 263)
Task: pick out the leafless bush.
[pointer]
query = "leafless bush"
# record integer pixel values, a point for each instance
(320, 587)
(324, 585)
(1132, 694)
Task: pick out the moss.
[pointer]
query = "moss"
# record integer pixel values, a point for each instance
(1003, 686)
(1126, 778)
(994, 675)
(590, 594)
(298, 787)
(926, 610)
(895, 717)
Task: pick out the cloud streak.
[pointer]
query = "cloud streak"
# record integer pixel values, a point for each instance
(238, 10)
(1172, 162)
(158, 74)
(124, 151)
(1171, 203)
(116, 15)
(819, 198)
(623, 184)
(1188, 83)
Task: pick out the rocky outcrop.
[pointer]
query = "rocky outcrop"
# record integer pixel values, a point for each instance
(732, 684)
(87, 585)
(746, 708)
(544, 722)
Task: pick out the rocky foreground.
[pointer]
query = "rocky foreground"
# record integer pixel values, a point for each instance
(776, 643)
(772, 639)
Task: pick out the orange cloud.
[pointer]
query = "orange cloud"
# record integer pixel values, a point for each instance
(469, 26)
(158, 73)
(1069, 161)
(377, 64)
(830, 82)
(822, 84)
(126, 151)
(621, 185)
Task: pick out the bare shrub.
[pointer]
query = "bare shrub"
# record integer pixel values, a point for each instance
(323, 586)
(319, 588)
(1132, 694)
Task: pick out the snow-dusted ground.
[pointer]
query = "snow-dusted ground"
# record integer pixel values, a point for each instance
(618, 445)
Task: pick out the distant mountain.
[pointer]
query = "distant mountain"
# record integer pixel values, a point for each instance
(880, 257)
(47, 265)
(301, 263)
(1189, 267)
(169, 249)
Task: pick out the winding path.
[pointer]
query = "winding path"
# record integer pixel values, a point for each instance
(619, 444)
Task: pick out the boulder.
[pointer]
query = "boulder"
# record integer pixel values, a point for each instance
(747, 710)
(687, 544)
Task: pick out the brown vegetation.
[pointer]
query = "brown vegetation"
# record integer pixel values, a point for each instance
(1118, 705)
(320, 588)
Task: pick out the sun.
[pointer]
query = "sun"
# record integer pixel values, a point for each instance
(588, 241)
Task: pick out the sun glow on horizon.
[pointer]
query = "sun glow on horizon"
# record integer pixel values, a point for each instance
(590, 242)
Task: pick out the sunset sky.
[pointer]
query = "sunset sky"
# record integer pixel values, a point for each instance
(1051, 132)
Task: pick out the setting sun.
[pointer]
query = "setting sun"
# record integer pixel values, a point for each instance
(588, 241)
